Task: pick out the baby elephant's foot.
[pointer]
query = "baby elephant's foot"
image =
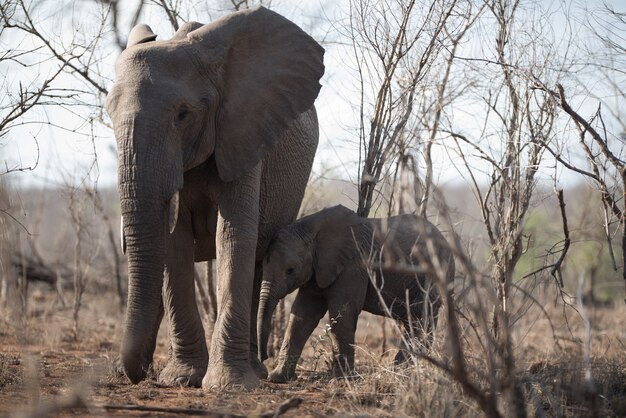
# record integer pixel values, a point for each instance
(342, 368)
(345, 374)
(401, 358)
(178, 374)
(258, 367)
(280, 375)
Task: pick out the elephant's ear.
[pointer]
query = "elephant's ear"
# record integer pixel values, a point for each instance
(139, 34)
(185, 29)
(271, 70)
(337, 243)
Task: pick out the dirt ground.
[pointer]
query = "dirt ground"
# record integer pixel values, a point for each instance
(45, 370)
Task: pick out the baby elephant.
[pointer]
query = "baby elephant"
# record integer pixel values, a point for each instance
(331, 257)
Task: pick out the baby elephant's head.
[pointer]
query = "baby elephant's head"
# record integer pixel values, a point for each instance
(286, 267)
(288, 263)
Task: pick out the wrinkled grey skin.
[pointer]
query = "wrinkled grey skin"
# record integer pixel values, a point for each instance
(216, 135)
(322, 255)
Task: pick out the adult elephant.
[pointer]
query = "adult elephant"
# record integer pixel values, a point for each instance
(216, 135)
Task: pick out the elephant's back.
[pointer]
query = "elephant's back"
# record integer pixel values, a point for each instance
(403, 239)
(406, 236)
(406, 229)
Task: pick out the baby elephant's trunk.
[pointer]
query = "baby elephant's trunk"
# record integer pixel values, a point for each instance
(267, 304)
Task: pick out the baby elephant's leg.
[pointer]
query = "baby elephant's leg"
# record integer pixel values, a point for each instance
(419, 327)
(408, 343)
(426, 314)
(306, 312)
(343, 320)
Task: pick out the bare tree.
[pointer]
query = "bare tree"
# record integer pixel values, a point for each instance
(522, 121)
(43, 64)
(502, 156)
(118, 31)
(606, 168)
(237, 5)
(8, 279)
(397, 53)
(394, 47)
(601, 136)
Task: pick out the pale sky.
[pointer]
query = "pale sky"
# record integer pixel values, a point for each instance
(68, 155)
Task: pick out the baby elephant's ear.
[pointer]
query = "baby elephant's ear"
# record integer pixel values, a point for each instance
(337, 244)
(140, 34)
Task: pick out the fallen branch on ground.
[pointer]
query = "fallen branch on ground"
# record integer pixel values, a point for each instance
(282, 408)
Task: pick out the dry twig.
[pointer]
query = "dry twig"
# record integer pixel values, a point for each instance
(282, 408)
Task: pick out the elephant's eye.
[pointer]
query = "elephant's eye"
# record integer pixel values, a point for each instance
(183, 114)
(290, 270)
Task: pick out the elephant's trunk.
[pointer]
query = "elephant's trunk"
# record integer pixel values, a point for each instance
(145, 249)
(144, 190)
(267, 304)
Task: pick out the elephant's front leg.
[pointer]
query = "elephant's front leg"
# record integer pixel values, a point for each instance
(188, 355)
(307, 310)
(236, 242)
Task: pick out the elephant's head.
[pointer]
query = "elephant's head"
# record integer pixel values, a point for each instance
(318, 247)
(222, 92)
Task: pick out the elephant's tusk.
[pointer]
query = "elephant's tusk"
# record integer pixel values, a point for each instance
(173, 212)
(122, 235)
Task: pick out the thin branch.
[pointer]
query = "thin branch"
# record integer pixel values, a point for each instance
(67, 62)
(170, 12)
(556, 268)
(282, 409)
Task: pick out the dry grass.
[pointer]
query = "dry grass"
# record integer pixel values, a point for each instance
(10, 371)
(76, 377)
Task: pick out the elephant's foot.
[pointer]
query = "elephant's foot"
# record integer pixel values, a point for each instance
(230, 376)
(117, 368)
(281, 375)
(258, 367)
(341, 369)
(401, 357)
(344, 374)
(176, 373)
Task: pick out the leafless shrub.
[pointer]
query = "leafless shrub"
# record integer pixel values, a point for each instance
(395, 50)
(80, 207)
(397, 60)
(606, 168)
(113, 242)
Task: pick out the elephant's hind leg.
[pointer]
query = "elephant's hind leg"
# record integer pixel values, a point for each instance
(188, 356)
(419, 324)
(417, 336)
(343, 317)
